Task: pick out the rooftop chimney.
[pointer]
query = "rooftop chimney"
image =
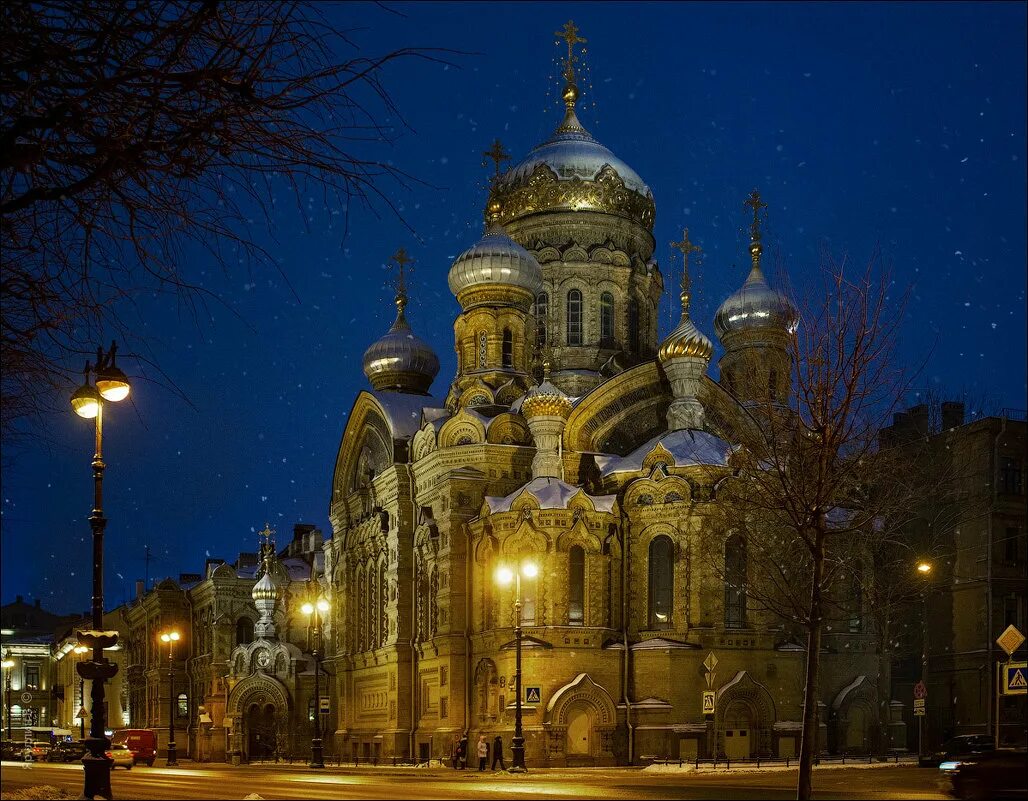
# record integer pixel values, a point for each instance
(952, 415)
(140, 589)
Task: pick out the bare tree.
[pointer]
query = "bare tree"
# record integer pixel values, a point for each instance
(133, 130)
(803, 496)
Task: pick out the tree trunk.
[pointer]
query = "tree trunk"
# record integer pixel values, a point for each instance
(883, 689)
(809, 735)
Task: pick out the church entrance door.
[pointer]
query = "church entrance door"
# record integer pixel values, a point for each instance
(738, 727)
(260, 733)
(579, 735)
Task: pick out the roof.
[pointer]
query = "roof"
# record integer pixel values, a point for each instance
(551, 493)
(687, 447)
(403, 411)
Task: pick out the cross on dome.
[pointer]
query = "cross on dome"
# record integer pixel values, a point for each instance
(497, 155)
(685, 247)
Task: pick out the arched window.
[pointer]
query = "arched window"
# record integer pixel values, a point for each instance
(856, 598)
(244, 631)
(508, 348)
(576, 586)
(574, 317)
(182, 706)
(735, 582)
(606, 317)
(633, 325)
(662, 563)
(541, 312)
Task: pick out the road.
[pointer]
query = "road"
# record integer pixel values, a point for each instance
(225, 782)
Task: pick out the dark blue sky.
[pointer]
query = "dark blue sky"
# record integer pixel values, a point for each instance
(901, 125)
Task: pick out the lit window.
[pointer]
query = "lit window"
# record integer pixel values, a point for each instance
(576, 588)
(182, 707)
(574, 317)
(662, 563)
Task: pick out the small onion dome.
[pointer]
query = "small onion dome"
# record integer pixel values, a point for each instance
(495, 259)
(401, 361)
(754, 307)
(686, 340)
(265, 589)
(546, 400)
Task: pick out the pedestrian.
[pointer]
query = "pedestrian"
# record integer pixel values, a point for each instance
(462, 751)
(483, 752)
(498, 753)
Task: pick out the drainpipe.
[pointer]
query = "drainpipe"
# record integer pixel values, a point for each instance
(414, 613)
(993, 721)
(625, 661)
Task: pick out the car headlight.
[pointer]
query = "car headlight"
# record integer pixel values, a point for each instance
(950, 765)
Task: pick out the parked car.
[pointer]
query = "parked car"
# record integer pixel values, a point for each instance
(9, 749)
(957, 747)
(122, 756)
(67, 751)
(38, 751)
(999, 773)
(141, 742)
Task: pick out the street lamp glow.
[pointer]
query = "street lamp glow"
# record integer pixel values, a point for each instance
(529, 570)
(322, 605)
(924, 568)
(80, 649)
(86, 402)
(112, 383)
(170, 636)
(307, 608)
(504, 575)
(7, 663)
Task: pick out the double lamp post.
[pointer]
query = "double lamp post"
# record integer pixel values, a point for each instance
(314, 608)
(505, 576)
(171, 637)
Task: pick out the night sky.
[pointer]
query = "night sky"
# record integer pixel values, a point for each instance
(898, 125)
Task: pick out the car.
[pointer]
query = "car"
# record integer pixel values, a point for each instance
(121, 756)
(67, 751)
(37, 751)
(141, 742)
(956, 747)
(999, 773)
(10, 749)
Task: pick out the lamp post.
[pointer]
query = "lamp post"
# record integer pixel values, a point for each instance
(171, 637)
(79, 650)
(504, 576)
(88, 401)
(314, 609)
(924, 570)
(7, 664)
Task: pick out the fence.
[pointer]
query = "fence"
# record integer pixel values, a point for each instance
(724, 762)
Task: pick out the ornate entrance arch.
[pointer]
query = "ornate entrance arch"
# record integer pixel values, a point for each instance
(258, 706)
(580, 719)
(853, 718)
(746, 715)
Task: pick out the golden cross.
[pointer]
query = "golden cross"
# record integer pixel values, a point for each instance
(755, 203)
(497, 154)
(569, 34)
(685, 246)
(267, 533)
(402, 260)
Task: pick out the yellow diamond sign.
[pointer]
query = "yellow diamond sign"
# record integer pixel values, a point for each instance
(1010, 640)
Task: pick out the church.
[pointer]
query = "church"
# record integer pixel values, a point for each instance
(573, 439)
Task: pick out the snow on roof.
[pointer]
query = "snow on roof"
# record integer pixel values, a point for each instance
(687, 447)
(551, 493)
(403, 411)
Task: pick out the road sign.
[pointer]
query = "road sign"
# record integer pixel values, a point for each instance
(1015, 678)
(708, 702)
(919, 707)
(81, 713)
(920, 691)
(710, 662)
(324, 706)
(1010, 640)
(533, 695)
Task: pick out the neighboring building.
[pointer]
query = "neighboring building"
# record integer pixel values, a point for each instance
(979, 588)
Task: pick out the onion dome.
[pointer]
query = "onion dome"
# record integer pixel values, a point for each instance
(495, 260)
(755, 306)
(546, 400)
(686, 339)
(265, 589)
(400, 361)
(571, 171)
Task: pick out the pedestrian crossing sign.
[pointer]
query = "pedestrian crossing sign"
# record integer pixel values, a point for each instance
(532, 695)
(1015, 678)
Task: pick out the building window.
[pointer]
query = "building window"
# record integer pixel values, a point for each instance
(856, 599)
(182, 707)
(735, 582)
(662, 563)
(508, 348)
(574, 317)
(576, 588)
(1011, 477)
(244, 631)
(1012, 545)
(31, 677)
(310, 710)
(528, 594)
(1013, 611)
(444, 707)
(633, 326)
(607, 318)
(444, 676)
(541, 312)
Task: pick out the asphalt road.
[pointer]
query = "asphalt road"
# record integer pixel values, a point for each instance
(225, 782)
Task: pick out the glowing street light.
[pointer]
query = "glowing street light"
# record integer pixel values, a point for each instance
(171, 637)
(504, 576)
(314, 609)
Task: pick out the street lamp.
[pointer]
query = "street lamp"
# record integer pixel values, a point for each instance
(505, 576)
(171, 637)
(79, 650)
(924, 570)
(7, 664)
(314, 609)
(112, 385)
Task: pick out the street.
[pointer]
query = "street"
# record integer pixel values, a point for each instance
(225, 782)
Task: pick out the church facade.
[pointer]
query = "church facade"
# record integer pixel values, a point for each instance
(572, 438)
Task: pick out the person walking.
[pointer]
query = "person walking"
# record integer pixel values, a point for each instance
(483, 752)
(498, 753)
(462, 751)
(455, 752)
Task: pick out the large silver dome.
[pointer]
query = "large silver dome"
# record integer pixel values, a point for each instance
(495, 259)
(401, 361)
(755, 306)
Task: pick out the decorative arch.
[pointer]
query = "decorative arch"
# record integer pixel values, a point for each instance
(853, 715)
(525, 539)
(744, 689)
(424, 442)
(368, 435)
(462, 429)
(582, 690)
(508, 429)
(259, 689)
